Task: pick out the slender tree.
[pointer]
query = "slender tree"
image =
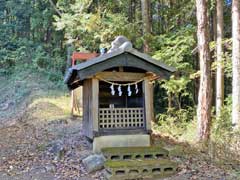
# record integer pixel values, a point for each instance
(55, 8)
(220, 73)
(205, 88)
(146, 23)
(236, 63)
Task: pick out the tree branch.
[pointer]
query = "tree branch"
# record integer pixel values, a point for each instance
(55, 8)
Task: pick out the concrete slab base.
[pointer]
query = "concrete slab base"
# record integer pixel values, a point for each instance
(133, 140)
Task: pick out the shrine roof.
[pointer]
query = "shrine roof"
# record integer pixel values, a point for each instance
(117, 58)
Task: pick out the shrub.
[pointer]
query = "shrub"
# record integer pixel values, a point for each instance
(175, 122)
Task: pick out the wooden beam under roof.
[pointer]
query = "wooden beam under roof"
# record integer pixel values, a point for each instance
(120, 76)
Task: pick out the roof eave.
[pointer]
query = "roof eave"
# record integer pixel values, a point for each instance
(151, 60)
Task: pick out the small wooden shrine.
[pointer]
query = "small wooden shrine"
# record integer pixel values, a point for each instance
(118, 96)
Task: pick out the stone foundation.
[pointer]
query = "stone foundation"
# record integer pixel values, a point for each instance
(135, 140)
(151, 162)
(138, 169)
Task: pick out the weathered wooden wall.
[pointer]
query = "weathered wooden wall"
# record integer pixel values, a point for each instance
(77, 101)
(90, 107)
(148, 102)
(87, 86)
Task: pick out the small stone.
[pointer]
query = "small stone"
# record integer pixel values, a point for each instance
(84, 154)
(37, 170)
(56, 147)
(93, 162)
(50, 168)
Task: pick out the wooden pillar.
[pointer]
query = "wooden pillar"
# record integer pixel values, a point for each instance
(147, 102)
(80, 100)
(87, 131)
(95, 104)
(90, 107)
(76, 101)
(72, 101)
(151, 101)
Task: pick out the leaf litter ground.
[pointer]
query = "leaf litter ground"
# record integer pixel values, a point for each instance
(45, 143)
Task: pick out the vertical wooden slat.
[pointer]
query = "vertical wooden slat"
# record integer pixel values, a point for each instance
(84, 109)
(81, 100)
(87, 124)
(95, 95)
(90, 119)
(151, 101)
(147, 103)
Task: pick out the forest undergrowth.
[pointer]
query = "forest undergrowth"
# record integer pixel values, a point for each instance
(223, 147)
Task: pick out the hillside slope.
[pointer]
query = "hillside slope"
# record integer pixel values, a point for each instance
(40, 140)
(38, 137)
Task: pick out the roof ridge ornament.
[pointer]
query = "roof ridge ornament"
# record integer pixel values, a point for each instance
(120, 43)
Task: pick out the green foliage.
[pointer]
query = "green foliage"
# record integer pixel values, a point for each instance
(90, 29)
(160, 98)
(170, 16)
(224, 142)
(27, 38)
(226, 63)
(176, 85)
(222, 126)
(175, 48)
(175, 122)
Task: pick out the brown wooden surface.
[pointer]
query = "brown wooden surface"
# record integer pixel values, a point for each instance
(121, 118)
(120, 76)
(95, 103)
(90, 107)
(126, 60)
(83, 56)
(151, 101)
(147, 101)
(76, 101)
(122, 58)
(205, 88)
(87, 124)
(122, 131)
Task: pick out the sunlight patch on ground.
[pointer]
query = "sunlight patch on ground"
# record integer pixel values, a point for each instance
(50, 108)
(190, 133)
(184, 133)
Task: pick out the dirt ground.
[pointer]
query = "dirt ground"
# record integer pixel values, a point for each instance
(53, 151)
(43, 142)
(26, 151)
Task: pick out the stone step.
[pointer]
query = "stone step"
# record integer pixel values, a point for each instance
(134, 153)
(134, 169)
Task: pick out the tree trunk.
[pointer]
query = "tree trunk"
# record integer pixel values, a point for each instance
(134, 10)
(205, 88)
(159, 18)
(146, 23)
(213, 37)
(236, 64)
(169, 101)
(53, 4)
(69, 56)
(130, 11)
(220, 72)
